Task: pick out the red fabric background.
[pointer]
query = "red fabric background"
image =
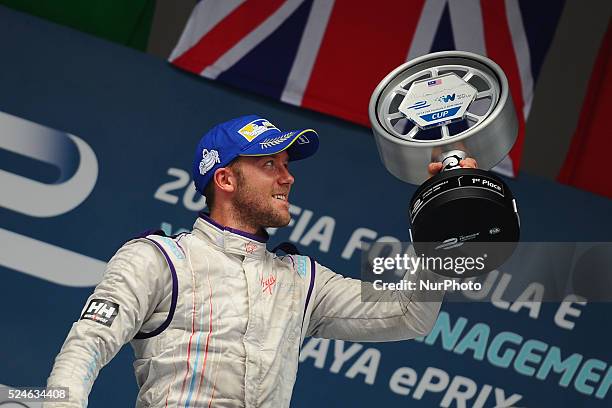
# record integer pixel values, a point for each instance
(588, 164)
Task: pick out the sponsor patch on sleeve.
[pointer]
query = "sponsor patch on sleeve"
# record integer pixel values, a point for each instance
(301, 265)
(101, 311)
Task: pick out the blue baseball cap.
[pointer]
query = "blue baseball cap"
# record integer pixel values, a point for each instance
(249, 135)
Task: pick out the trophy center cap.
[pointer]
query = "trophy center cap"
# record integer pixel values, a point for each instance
(437, 101)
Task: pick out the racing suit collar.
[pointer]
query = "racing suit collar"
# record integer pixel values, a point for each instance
(230, 239)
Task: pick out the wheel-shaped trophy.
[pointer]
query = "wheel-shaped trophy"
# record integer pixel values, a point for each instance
(443, 107)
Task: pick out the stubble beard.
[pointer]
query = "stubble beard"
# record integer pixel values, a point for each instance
(257, 211)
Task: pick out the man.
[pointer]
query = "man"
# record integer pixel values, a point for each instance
(215, 319)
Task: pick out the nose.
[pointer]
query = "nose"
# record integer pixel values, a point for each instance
(286, 177)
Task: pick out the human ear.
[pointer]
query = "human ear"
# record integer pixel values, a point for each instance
(225, 179)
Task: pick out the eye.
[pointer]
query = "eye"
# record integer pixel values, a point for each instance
(269, 163)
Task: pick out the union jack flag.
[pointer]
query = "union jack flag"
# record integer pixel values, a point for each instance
(329, 55)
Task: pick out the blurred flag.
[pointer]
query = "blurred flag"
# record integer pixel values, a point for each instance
(329, 55)
(586, 164)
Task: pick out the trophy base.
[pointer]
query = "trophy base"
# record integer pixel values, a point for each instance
(465, 213)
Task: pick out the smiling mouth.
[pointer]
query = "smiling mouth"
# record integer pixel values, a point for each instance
(282, 197)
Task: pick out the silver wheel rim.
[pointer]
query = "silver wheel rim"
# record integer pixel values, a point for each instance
(487, 131)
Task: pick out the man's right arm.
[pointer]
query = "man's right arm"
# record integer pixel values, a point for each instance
(132, 286)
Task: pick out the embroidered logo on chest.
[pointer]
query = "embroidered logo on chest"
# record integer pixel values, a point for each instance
(268, 283)
(250, 247)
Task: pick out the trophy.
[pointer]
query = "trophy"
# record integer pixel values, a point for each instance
(443, 107)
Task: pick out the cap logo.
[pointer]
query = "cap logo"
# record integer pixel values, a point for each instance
(255, 128)
(303, 140)
(275, 140)
(209, 159)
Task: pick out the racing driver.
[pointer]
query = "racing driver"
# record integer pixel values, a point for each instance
(215, 318)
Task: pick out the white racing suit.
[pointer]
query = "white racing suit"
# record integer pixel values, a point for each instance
(217, 320)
